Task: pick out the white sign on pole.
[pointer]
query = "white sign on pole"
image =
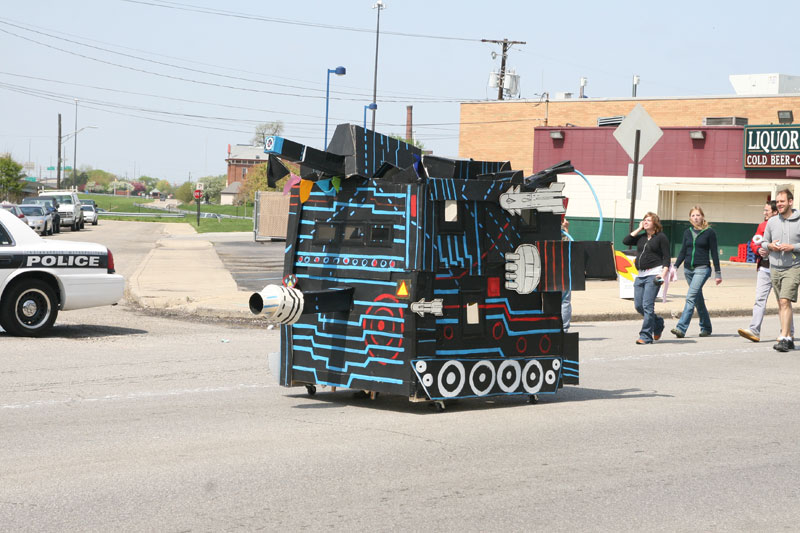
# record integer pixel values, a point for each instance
(638, 119)
(200, 186)
(638, 182)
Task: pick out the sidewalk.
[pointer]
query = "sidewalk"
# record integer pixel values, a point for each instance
(186, 277)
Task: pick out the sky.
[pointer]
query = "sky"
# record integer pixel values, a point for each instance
(164, 86)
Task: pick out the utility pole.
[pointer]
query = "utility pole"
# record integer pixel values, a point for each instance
(505, 43)
(58, 163)
(75, 148)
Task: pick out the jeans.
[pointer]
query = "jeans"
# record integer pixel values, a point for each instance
(644, 298)
(694, 299)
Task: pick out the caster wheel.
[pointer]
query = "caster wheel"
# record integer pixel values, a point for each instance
(311, 389)
(439, 405)
(533, 399)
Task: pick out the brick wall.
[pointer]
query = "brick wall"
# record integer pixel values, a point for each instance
(503, 130)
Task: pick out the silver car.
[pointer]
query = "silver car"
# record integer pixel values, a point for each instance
(14, 210)
(39, 219)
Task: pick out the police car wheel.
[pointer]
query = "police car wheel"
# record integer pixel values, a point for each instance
(29, 308)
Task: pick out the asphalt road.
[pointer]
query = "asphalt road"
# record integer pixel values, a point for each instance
(124, 421)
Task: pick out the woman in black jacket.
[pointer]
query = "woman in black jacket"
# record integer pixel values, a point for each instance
(652, 262)
(698, 250)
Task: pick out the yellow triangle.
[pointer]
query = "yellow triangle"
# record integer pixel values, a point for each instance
(402, 290)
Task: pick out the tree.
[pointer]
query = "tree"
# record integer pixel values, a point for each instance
(265, 130)
(255, 180)
(213, 186)
(100, 177)
(11, 177)
(185, 192)
(149, 183)
(164, 187)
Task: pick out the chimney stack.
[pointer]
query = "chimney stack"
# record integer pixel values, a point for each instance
(409, 133)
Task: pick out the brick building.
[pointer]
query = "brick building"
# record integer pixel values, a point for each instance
(679, 172)
(241, 158)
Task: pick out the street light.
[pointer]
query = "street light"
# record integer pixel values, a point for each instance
(74, 135)
(372, 106)
(379, 5)
(339, 71)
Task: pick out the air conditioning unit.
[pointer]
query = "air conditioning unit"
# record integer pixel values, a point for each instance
(725, 121)
(610, 121)
(563, 96)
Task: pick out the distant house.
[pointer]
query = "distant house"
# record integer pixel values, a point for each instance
(241, 158)
(155, 193)
(231, 194)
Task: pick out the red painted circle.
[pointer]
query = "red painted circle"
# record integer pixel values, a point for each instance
(448, 332)
(544, 347)
(498, 331)
(374, 262)
(522, 344)
(374, 322)
(391, 264)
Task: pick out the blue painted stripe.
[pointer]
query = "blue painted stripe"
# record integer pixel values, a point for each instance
(350, 380)
(348, 280)
(398, 305)
(335, 349)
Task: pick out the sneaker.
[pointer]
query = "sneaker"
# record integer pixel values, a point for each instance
(782, 346)
(657, 337)
(678, 333)
(790, 344)
(642, 341)
(749, 335)
(705, 333)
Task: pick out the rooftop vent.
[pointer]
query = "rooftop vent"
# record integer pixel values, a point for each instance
(725, 121)
(610, 121)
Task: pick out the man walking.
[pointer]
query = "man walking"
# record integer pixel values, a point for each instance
(782, 240)
(763, 280)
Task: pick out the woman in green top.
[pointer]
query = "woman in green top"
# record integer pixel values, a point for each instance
(698, 250)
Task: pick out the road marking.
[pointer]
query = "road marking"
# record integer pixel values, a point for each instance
(137, 395)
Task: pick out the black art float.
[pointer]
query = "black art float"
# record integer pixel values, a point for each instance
(422, 276)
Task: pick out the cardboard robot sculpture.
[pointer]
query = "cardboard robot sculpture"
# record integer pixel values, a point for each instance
(421, 276)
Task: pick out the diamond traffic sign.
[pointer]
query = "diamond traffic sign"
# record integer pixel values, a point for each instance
(638, 119)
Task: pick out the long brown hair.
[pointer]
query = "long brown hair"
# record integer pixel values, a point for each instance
(657, 227)
(699, 209)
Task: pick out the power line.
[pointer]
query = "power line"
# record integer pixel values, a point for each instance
(200, 82)
(210, 11)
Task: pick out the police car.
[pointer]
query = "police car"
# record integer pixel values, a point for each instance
(39, 277)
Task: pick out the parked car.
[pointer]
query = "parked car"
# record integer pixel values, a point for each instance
(39, 220)
(89, 214)
(87, 201)
(14, 210)
(50, 205)
(40, 277)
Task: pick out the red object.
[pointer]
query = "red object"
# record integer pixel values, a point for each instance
(111, 269)
(198, 194)
(493, 287)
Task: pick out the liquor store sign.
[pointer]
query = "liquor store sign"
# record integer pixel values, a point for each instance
(772, 146)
